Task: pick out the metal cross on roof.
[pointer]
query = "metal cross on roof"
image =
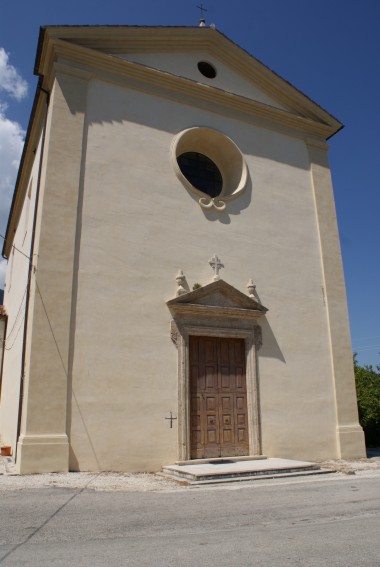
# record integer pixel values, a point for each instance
(216, 264)
(202, 9)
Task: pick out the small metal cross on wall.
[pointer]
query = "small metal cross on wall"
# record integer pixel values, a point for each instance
(171, 418)
(216, 264)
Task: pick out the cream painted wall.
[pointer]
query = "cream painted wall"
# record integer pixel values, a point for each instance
(115, 225)
(43, 444)
(185, 65)
(15, 301)
(138, 227)
(349, 433)
(3, 326)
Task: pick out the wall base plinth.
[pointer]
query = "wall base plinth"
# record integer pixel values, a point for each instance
(351, 442)
(42, 454)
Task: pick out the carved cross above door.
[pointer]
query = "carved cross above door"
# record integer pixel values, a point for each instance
(216, 264)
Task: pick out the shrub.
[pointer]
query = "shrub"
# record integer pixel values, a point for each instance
(368, 393)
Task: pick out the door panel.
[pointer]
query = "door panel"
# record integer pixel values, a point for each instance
(218, 398)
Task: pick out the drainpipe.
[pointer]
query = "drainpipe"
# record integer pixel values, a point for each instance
(31, 266)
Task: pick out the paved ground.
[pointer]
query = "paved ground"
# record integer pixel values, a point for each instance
(140, 520)
(332, 523)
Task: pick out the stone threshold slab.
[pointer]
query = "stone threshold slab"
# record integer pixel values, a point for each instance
(236, 470)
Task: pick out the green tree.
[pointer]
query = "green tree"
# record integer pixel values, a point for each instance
(368, 393)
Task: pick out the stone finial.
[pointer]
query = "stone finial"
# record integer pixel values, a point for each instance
(181, 282)
(251, 289)
(216, 264)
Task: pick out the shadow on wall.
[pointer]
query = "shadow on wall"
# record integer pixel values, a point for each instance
(234, 207)
(270, 347)
(73, 461)
(109, 105)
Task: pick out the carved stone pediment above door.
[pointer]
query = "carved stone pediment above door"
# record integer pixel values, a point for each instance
(216, 298)
(217, 311)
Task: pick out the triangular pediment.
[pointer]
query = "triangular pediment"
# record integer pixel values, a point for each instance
(219, 295)
(171, 54)
(185, 64)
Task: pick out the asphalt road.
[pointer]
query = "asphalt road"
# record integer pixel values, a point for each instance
(331, 523)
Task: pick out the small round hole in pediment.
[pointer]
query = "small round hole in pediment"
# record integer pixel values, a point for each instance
(207, 69)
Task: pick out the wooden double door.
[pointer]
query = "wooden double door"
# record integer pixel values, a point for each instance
(218, 397)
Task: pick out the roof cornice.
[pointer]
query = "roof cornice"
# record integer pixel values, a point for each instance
(160, 83)
(26, 163)
(132, 39)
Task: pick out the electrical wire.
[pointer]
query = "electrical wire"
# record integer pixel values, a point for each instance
(15, 339)
(18, 313)
(18, 250)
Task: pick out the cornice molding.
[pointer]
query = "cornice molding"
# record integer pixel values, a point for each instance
(74, 71)
(207, 299)
(143, 39)
(27, 161)
(73, 58)
(215, 311)
(317, 144)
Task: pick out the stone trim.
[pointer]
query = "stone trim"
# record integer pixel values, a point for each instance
(223, 152)
(158, 83)
(118, 40)
(180, 334)
(216, 311)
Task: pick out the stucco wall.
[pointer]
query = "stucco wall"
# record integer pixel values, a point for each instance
(15, 301)
(115, 225)
(138, 227)
(43, 444)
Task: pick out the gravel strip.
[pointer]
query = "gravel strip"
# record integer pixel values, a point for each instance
(108, 482)
(353, 466)
(137, 482)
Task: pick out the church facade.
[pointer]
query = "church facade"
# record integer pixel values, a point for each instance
(175, 287)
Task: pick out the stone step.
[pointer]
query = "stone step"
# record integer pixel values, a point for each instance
(245, 478)
(229, 470)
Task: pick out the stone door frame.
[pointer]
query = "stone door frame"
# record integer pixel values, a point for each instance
(180, 334)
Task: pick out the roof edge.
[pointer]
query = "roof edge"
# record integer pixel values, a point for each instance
(68, 32)
(18, 195)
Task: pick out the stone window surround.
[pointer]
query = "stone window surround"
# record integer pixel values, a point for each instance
(223, 152)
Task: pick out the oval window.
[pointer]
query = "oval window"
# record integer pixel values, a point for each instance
(207, 69)
(201, 172)
(209, 165)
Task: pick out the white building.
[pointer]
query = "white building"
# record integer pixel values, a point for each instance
(150, 150)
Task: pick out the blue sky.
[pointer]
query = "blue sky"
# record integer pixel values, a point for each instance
(328, 49)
